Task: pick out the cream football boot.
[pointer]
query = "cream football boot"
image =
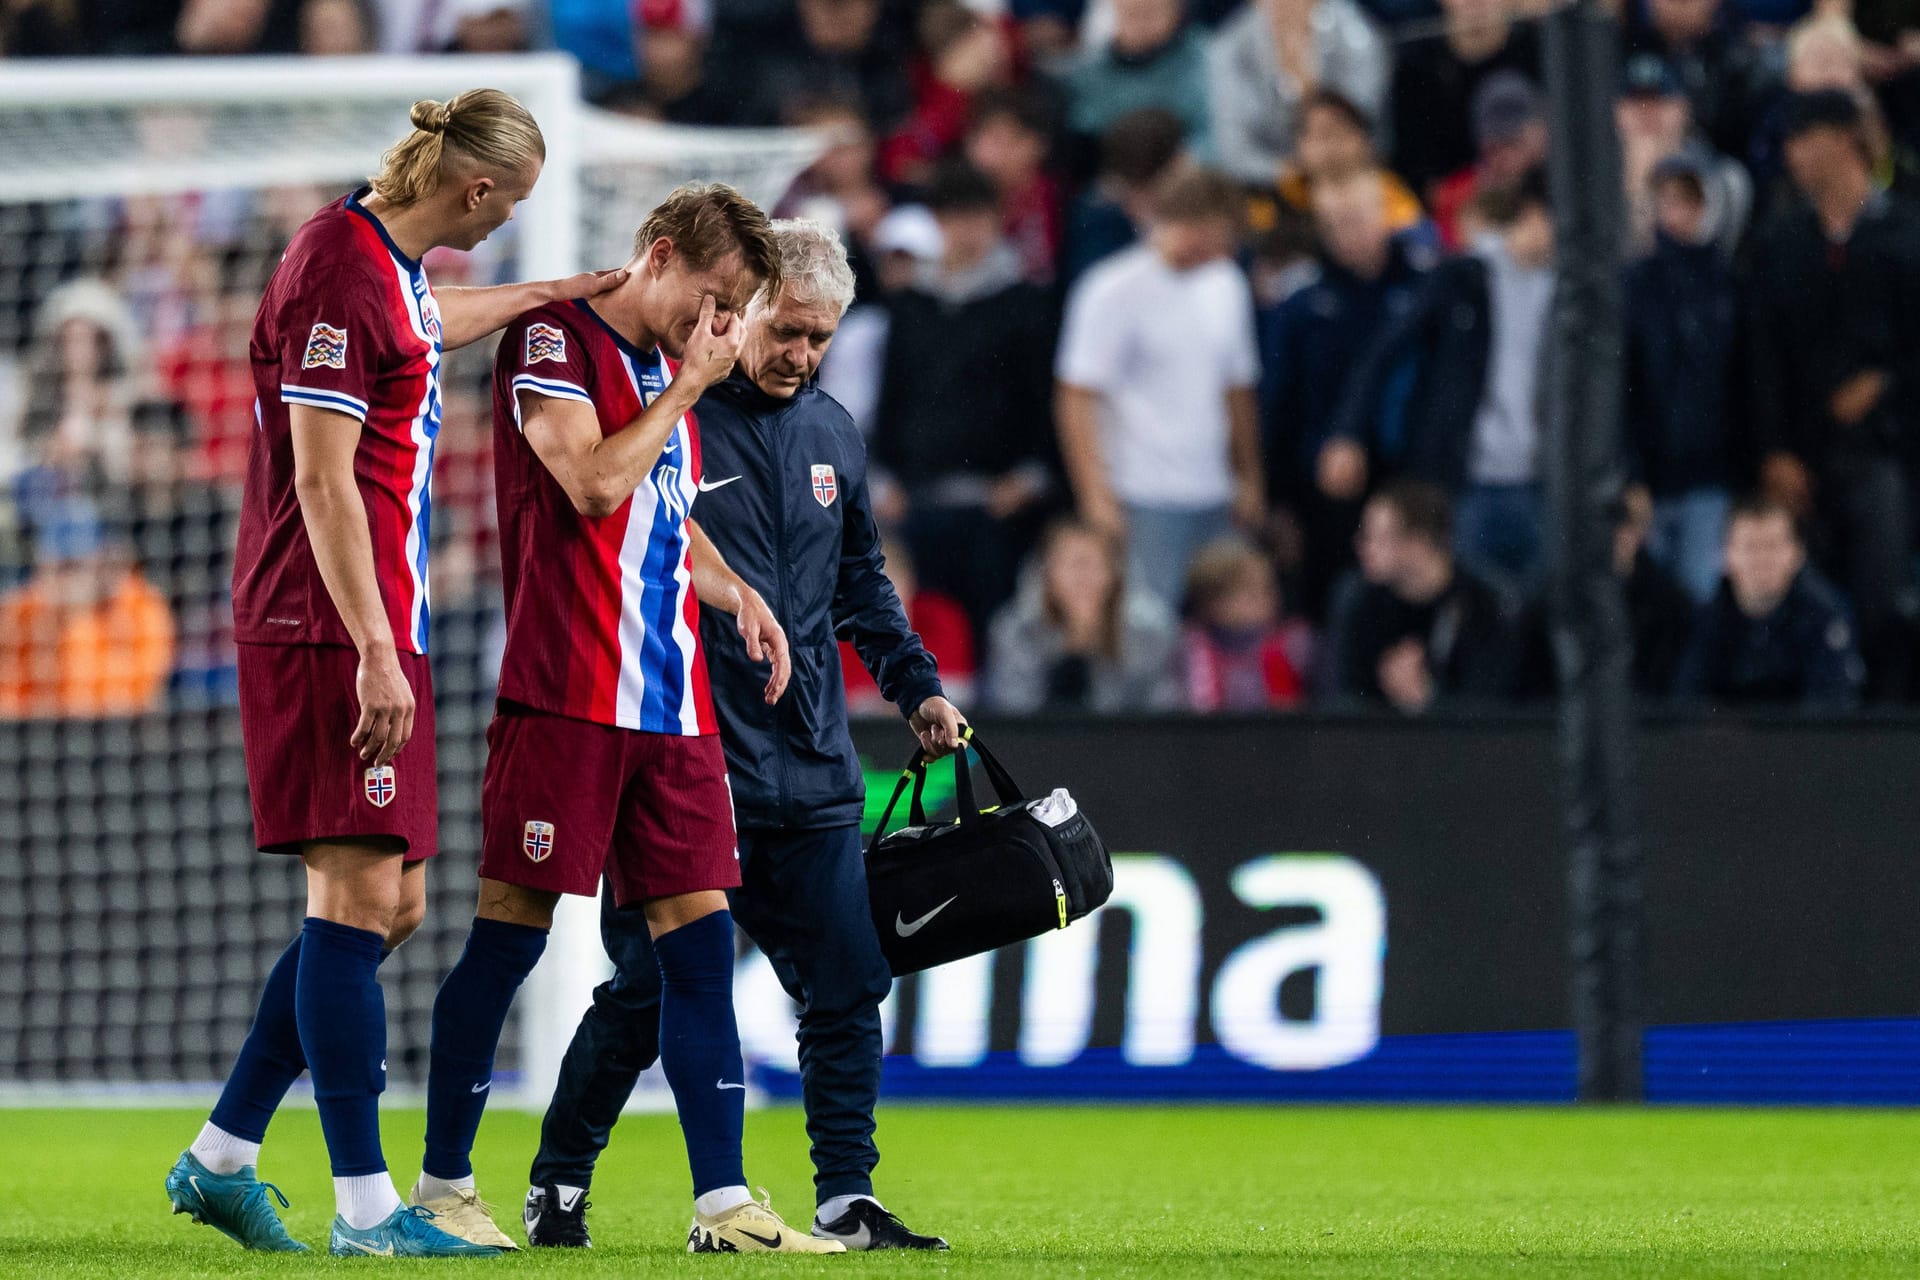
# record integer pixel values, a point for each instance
(753, 1227)
(466, 1215)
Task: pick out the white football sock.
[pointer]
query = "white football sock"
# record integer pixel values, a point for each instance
(716, 1202)
(833, 1210)
(367, 1200)
(221, 1152)
(432, 1188)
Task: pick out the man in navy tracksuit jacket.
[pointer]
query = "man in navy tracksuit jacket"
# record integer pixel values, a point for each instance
(783, 497)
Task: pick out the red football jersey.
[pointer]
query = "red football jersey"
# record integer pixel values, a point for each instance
(348, 323)
(602, 621)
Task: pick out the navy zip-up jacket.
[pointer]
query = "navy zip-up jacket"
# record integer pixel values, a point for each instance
(783, 495)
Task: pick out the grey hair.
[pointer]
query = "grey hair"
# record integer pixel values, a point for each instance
(813, 264)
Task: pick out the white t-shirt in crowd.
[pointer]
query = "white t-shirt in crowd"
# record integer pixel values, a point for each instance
(1162, 348)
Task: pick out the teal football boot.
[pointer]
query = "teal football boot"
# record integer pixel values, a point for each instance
(234, 1204)
(406, 1233)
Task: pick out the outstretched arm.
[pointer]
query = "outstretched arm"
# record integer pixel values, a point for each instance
(468, 315)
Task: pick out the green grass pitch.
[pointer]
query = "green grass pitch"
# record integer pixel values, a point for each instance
(1211, 1192)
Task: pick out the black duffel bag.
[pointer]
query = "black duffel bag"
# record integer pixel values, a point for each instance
(988, 878)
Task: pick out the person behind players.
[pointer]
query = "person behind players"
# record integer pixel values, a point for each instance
(330, 611)
(603, 751)
(1418, 628)
(783, 456)
(1776, 631)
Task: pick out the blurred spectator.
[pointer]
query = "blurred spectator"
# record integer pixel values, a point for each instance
(1335, 141)
(332, 28)
(83, 371)
(962, 54)
(839, 48)
(490, 26)
(1416, 629)
(1436, 78)
(1510, 135)
(1834, 303)
(941, 625)
(1159, 420)
(1135, 153)
(1681, 326)
(905, 244)
(671, 39)
(1724, 74)
(86, 635)
(840, 188)
(1240, 655)
(1008, 141)
(1153, 60)
(962, 427)
(1472, 421)
(1825, 51)
(1655, 122)
(1272, 54)
(209, 372)
(1076, 638)
(39, 29)
(1310, 344)
(1776, 631)
(236, 26)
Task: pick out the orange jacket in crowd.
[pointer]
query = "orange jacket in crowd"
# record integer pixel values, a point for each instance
(110, 658)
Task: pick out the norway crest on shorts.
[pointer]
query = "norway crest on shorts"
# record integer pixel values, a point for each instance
(536, 841)
(380, 786)
(825, 487)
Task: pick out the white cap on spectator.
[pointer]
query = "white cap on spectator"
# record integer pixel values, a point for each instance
(93, 299)
(910, 229)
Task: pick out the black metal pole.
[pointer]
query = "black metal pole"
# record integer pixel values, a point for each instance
(1591, 641)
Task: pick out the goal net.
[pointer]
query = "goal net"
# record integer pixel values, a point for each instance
(143, 208)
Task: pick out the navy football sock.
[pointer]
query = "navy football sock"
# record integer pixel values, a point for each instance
(467, 1017)
(700, 1047)
(270, 1057)
(342, 1016)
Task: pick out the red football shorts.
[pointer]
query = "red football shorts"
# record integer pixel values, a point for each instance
(297, 711)
(564, 800)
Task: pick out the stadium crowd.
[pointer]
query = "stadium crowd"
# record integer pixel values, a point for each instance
(1199, 349)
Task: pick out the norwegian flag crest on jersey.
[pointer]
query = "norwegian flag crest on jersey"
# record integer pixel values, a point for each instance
(326, 348)
(825, 488)
(379, 786)
(545, 342)
(537, 841)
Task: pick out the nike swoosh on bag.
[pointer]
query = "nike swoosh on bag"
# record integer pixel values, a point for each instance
(907, 930)
(771, 1244)
(706, 487)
